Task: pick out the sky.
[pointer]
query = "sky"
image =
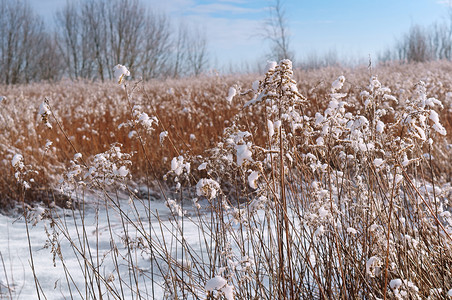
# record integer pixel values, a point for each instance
(354, 29)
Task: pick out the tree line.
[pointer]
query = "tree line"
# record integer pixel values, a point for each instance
(91, 36)
(421, 44)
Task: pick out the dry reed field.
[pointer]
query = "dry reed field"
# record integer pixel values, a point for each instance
(325, 184)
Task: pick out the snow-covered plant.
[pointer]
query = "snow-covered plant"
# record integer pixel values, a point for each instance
(120, 72)
(104, 169)
(207, 188)
(23, 173)
(44, 112)
(110, 166)
(141, 120)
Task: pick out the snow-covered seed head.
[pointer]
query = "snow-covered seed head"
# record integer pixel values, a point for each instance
(119, 72)
(338, 83)
(207, 188)
(17, 161)
(44, 112)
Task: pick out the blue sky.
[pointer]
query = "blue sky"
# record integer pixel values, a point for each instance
(352, 28)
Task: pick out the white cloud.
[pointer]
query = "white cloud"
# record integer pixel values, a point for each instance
(233, 1)
(445, 2)
(222, 8)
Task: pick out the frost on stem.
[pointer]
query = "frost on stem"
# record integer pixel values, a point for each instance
(110, 166)
(175, 208)
(418, 109)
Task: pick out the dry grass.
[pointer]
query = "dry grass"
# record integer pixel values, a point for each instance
(345, 197)
(90, 113)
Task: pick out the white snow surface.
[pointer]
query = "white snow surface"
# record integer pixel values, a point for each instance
(14, 250)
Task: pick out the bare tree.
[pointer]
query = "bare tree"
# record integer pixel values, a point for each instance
(441, 41)
(23, 44)
(157, 46)
(95, 35)
(277, 32)
(95, 19)
(71, 36)
(92, 36)
(197, 57)
(126, 23)
(421, 44)
(180, 50)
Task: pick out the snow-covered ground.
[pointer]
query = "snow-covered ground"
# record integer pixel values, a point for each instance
(16, 272)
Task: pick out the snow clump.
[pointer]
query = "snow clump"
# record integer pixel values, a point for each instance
(163, 135)
(243, 152)
(44, 112)
(208, 188)
(338, 83)
(395, 283)
(252, 179)
(119, 72)
(178, 165)
(373, 265)
(271, 65)
(231, 94)
(218, 283)
(202, 166)
(17, 161)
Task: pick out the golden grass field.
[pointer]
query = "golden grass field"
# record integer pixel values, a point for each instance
(194, 111)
